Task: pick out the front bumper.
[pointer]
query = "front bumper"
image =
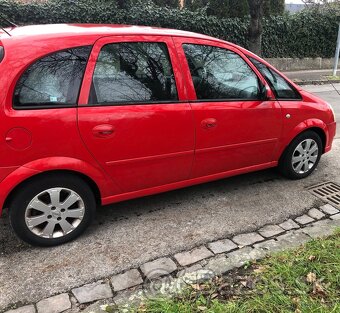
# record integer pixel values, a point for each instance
(331, 134)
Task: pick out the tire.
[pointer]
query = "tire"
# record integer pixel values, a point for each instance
(42, 199)
(298, 149)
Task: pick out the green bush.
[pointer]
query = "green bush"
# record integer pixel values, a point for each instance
(306, 34)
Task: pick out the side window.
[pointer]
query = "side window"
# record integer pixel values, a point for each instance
(281, 88)
(53, 80)
(133, 72)
(218, 73)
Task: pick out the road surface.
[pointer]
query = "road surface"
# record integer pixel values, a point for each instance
(128, 234)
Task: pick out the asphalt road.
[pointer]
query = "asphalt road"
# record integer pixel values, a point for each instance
(130, 233)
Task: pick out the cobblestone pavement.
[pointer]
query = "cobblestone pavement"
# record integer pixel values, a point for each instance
(168, 275)
(190, 223)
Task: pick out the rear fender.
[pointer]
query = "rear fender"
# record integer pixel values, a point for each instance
(104, 183)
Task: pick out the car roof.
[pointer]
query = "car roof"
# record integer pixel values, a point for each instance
(70, 30)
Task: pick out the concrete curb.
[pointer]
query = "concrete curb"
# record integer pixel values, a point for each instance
(168, 275)
(315, 82)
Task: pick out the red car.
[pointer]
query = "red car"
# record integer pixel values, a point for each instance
(96, 114)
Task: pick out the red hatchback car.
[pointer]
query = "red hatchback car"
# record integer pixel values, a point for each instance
(96, 114)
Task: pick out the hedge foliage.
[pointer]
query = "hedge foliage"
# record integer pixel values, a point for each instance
(305, 34)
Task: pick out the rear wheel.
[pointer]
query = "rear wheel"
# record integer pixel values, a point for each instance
(302, 156)
(52, 210)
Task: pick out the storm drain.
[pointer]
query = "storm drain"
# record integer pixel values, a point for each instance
(328, 192)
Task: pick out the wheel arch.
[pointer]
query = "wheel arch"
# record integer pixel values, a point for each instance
(96, 178)
(318, 130)
(88, 180)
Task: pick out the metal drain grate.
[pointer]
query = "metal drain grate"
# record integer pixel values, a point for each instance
(328, 192)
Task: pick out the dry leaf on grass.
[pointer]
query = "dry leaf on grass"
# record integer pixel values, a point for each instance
(202, 308)
(318, 289)
(311, 257)
(196, 287)
(311, 277)
(260, 269)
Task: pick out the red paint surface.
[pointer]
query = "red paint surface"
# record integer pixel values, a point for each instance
(140, 149)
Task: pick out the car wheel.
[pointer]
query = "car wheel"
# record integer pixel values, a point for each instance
(302, 156)
(51, 210)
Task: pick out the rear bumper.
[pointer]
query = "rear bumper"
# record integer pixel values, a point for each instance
(331, 134)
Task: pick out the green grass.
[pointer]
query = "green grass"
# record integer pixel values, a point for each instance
(333, 77)
(302, 280)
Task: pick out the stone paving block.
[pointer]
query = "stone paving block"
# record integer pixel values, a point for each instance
(335, 216)
(189, 269)
(158, 268)
(56, 304)
(219, 265)
(269, 246)
(289, 224)
(99, 306)
(316, 214)
(270, 230)
(321, 228)
(24, 309)
(126, 280)
(293, 239)
(329, 209)
(221, 246)
(93, 292)
(304, 219)
(193, 256)
(195, 277)
(247, 239)
(239, 257)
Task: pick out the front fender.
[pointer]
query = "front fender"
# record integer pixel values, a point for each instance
(298, 129)
(104, 183)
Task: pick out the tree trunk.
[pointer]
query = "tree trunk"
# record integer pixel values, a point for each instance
(255, 27)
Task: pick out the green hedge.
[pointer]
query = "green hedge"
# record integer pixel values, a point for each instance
(306, 34)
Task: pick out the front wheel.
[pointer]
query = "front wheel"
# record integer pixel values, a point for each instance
(302, 156)
(52, 210)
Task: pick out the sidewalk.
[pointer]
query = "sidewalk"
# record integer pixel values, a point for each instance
(309, 74)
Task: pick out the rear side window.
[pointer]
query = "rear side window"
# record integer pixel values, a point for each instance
(220, 74)
(53, 80)
(133, 72)
(282, 88)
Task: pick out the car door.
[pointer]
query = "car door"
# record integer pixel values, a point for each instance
(236, 126)
(133, 114)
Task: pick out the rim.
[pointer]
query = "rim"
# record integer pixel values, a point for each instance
(54, 213)
(305, 156)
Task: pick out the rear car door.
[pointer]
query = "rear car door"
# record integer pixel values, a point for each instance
(236, 126)
(133, 116)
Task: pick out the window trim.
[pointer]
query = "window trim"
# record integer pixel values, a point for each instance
(50, 106)
(297, 93)
(125, 103)
(210, 44)
(129, 103)
(2, 53)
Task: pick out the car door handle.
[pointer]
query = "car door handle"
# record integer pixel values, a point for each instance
(209, 123)
(104, 130)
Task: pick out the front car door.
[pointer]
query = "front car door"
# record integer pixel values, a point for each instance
(133, 116)
(236, 127)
